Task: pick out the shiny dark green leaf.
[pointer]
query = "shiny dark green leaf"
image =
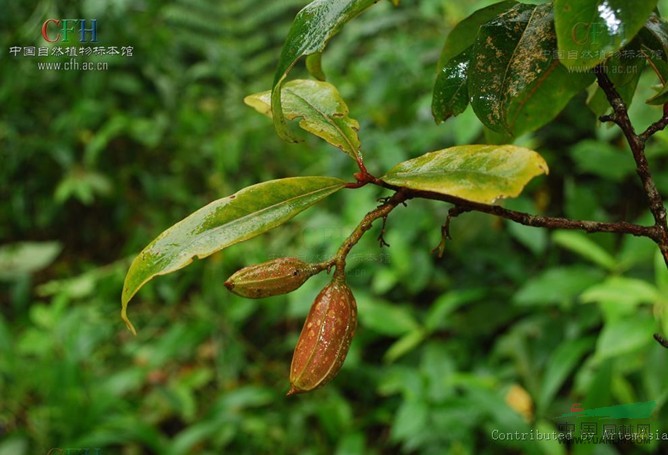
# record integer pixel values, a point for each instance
(516, 82)
(463, 35)
(590, 31)
(654, 41)
(451, 94)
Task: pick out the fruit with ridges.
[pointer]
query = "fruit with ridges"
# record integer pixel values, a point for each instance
(325, 338)
(275, 277)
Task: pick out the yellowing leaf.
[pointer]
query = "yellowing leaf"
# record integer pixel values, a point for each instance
(312, 28)
(321, 109)
(478, 173)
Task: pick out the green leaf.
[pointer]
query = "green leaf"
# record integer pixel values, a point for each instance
(562, 361)
(581, 244)
(557, 285)
(589, 31)
(310, 32)
(660, 98)
(446, 304)
(517, 83)
(622, 291)
(602, 159)
(222, 223)
(654, 42)
(384, 318)
(552, 446)
(450, 89)
(625, 335)
(479, 173)
(23, 258)
(411, 418)
(321, 109)
(660, 273)
(314, 66)
(404, 345)
(464, 34)
(451, 94)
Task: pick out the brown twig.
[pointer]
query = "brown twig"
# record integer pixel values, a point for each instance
(637, 143)
(388, 204)
(657, 232)
(550, 222)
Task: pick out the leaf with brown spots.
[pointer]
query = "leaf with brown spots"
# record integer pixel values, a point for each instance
(517, 83)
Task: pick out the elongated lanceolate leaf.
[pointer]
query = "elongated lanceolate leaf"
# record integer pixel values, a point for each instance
(222, 223)
(590, 31)
(516, 82)
(312, 28)
(321, 109)
(478, 173)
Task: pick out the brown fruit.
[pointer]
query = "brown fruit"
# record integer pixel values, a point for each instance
(275, 277)
(325, 338)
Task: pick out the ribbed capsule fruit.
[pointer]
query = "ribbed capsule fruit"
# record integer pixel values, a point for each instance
(325, 338)
(275, 277)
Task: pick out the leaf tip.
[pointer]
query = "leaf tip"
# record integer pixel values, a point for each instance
(128, 324)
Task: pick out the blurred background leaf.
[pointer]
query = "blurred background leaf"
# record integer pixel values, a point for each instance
(506, 331)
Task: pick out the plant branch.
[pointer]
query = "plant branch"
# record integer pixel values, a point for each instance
(527, 219)
(637, 143)
(657, 232)
(382, 211)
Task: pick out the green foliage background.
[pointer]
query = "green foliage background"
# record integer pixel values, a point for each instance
(93, 165)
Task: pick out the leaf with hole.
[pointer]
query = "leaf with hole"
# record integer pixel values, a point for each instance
(321, 111)
(478, 173)
(222, 223)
